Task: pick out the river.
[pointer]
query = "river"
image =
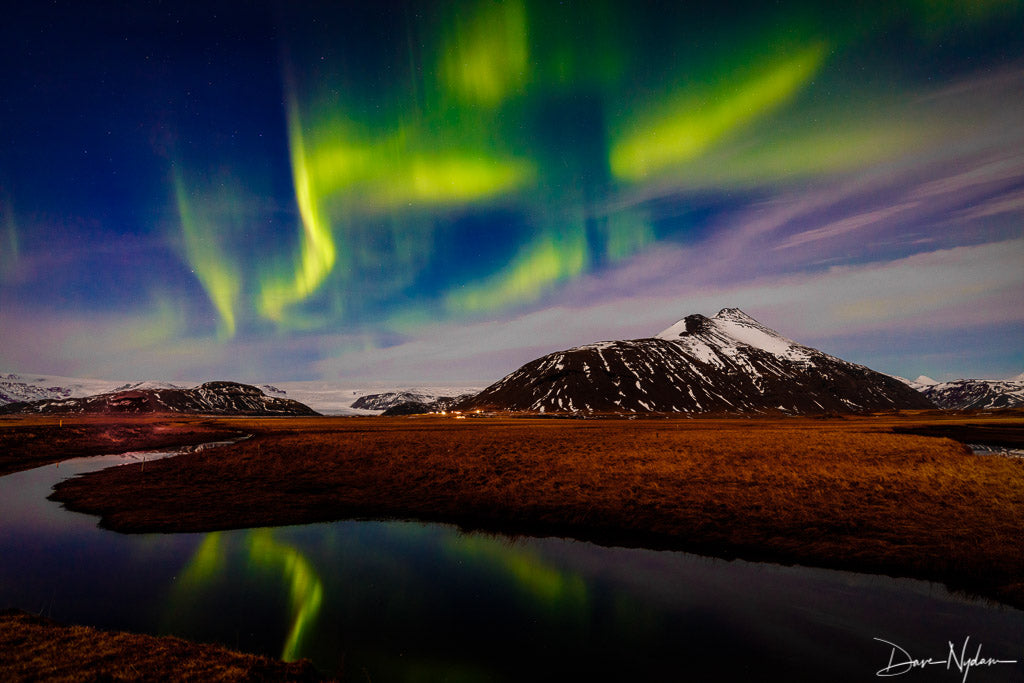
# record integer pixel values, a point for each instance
(405, 601)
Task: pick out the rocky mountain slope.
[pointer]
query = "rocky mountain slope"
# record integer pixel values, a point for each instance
(325, 397)
(16, 388)
(211, 398)
(390, 399)
(408, 402)
(729, 363)
(973, 394)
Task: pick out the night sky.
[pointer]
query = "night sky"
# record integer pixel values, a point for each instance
(441, 191)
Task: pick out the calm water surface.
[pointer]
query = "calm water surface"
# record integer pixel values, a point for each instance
(400, 601)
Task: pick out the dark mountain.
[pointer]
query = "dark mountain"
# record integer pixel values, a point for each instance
(439, 405)
(409, 408)
(212, 398)
(730, 364)
(390, 399)
(407, 402)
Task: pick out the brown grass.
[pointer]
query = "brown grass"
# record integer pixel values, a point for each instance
(837, 493)
(27, 442)
(33, 648)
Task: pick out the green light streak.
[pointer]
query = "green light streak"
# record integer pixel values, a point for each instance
(688, 125)
(810, 146)
(371, 193)
(305, 589)
(549, 260)
(539, 116)
(210, 263)
(457, 180)
(317, 249)
(402, 169)
(209, 560)
(548, 585)
(486, 55)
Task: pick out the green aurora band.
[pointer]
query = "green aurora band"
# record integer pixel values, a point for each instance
(210, 262)
(494, 112)
(304, 587)
(317, 250)
(546, 586)
(256, 555)
(262, 553)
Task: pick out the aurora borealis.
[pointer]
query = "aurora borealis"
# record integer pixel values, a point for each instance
(441, 191)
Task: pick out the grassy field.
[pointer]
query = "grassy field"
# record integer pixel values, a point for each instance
(844, 493)
(33, 648)
(27, 442)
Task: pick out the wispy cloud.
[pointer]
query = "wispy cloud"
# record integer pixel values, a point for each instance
(933, 291)
(850, 224)
(1010, 203)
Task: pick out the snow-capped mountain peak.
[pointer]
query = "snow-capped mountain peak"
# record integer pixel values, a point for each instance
(729, 363)
(736, 315)
(732, 327)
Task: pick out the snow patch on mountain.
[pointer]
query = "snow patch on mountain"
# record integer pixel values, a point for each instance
(429, 399)
(210, 398)
(149, 384)
(729, 363)
(732, 328)
(970, 394)
(975, 394)
(328, 398)
(21, 387)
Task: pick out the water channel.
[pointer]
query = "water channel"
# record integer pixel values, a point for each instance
(405, 601)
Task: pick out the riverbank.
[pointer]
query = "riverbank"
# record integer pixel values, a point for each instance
(839, 493)
(35, 648)
(27, 442)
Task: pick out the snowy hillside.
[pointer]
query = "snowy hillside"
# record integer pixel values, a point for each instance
(338, 399)
(16, 387)
(729, 363)
(327, 398)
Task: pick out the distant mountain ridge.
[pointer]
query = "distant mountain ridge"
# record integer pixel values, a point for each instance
(390, 399)
(408, 402)
(712, 341)
(973, 394)
(211, 398)
(327, 398)
(16, 388)
(729, 363)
